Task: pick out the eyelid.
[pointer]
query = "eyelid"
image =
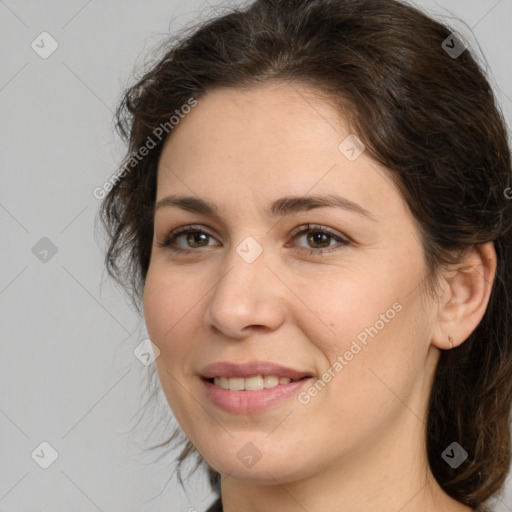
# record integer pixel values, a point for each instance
(316, 227)
(341, 239)
(189, 228)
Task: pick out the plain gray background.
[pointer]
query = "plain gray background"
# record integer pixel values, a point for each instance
(69, 376)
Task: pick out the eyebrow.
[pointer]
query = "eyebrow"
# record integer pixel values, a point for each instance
(281, 207)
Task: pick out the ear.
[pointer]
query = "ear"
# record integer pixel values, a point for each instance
(466, 290)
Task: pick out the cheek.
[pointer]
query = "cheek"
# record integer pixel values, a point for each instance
(166, 317)
(156, 302)
(368, 325)
(381, 355)
(364, 385)
(349, 306)
(164, 311)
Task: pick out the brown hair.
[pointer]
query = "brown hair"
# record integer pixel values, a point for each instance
(431, 118)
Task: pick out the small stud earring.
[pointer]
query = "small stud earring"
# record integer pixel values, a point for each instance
(450, 339)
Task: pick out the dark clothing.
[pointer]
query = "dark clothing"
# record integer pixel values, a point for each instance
(216, 507)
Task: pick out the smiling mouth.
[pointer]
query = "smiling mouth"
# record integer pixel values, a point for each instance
(253, 383)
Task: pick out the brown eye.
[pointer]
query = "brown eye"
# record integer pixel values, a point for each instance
(194, 238)
(318, 238)
(197, 237)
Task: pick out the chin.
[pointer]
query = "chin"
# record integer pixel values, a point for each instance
(258, 466)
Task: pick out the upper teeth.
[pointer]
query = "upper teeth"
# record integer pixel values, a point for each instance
(251, 383)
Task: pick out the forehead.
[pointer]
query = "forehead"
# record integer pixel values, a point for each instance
(267, 140)
(277, 116)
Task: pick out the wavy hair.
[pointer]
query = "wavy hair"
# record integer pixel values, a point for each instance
(429, 117)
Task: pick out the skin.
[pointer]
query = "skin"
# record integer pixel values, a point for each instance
(359, 444)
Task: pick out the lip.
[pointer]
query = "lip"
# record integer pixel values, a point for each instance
(248, 402)
(229, 369)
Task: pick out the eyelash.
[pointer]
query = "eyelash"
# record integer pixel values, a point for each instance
(171, 238)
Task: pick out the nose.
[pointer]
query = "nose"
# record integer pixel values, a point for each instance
(247, 297)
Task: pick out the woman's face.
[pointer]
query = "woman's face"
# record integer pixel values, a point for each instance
(252, 288)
